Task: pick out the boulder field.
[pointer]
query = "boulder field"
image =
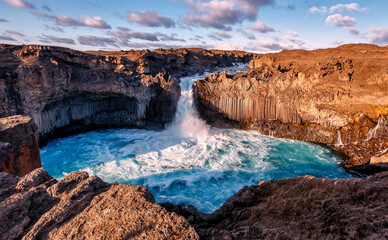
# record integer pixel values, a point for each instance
(337, 97)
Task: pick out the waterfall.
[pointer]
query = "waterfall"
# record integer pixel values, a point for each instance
(187, 122)
(339, 140)
(381, 126)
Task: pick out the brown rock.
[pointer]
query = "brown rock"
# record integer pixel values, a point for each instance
(67, 91)
(338, 97)
(78, 207)
(303, 208)
(379, 159)
(19, 149)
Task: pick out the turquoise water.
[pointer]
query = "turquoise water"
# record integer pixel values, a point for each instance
(189, 162)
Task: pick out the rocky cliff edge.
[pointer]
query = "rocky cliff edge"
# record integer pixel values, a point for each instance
(78, 207)
(338, 97)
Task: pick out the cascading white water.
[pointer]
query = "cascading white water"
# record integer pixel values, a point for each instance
(189, 162)
(187, 122)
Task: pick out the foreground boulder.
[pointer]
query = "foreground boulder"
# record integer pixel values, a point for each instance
(299, 208)
(19, 149)
(338, 97)
(78, 207)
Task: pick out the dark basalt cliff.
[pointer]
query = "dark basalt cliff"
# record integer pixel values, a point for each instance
(19, 149)
(66, 91)
(338, 97)
(299, 208)
(82, 207)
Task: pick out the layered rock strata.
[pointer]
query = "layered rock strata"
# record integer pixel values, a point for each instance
(299, 208)
(337, 97)
(66, 91)
(78, 207)
(19, 149)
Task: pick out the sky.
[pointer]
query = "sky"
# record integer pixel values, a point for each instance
(251, 25)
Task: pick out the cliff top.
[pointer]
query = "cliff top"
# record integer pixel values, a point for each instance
(12, 121)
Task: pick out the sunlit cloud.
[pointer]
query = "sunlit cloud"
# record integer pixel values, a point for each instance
(339, 20)
(377, 35)
(150, 19)
(220, 35)
(351, 7)
(19, 4)
(222, 14)
(84, 21)
(260, 27)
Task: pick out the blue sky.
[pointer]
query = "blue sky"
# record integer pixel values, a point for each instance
(251, 25)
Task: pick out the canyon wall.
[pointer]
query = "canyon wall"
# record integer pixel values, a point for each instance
(19, 149)
(67, 91)
(337, 97)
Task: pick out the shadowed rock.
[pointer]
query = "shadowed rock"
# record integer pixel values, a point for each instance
(299, 208)
(19, 149)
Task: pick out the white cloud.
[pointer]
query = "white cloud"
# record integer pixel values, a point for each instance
(222, 14)
(260, 27)
(339, 20)
(315, 10)
(19, 4)
(351, 7)
(150, 19)
(62, 20)
(377, 35)
(220, 35)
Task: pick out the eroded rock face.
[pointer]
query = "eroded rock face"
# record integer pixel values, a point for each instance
(300, 208)
(19, 149)
(67, 91)
(338, 97)
(39, 207)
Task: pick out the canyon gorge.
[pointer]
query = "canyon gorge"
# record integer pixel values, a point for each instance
(337, 98)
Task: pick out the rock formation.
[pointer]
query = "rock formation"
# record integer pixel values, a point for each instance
(338, 97)
(299, 208)
(78, 207)
(66, 91)
(19, 149)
